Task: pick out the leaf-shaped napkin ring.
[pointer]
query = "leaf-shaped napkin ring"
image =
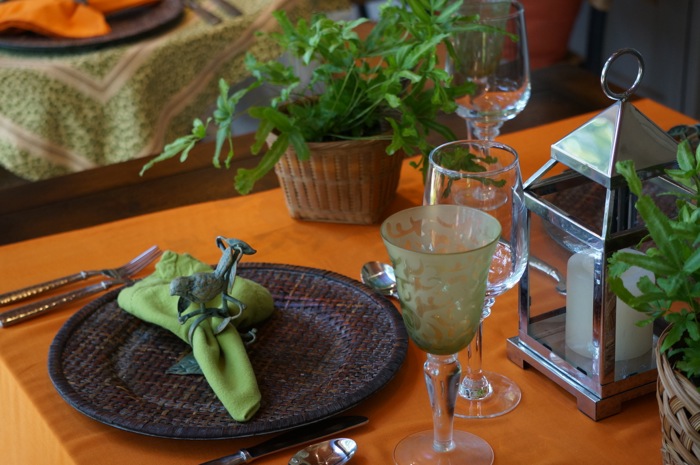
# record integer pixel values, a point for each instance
(200, 288)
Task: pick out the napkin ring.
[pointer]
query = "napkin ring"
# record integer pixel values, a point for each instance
(200, 288)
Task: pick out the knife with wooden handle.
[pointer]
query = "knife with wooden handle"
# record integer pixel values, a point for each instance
(291, 438)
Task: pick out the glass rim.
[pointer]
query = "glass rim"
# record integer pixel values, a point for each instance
(514, 13)
(382, 227)
(468, 174)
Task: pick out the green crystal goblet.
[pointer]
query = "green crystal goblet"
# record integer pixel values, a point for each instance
(441, 256)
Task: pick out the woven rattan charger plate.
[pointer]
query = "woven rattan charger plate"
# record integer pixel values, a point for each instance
(330, 344)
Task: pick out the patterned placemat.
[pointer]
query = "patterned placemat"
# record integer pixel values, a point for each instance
(330, 344)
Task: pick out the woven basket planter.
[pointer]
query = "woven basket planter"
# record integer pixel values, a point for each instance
(679, 408)
(342, 182)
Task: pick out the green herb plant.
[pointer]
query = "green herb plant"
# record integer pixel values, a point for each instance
(674, 259)
(390, 85)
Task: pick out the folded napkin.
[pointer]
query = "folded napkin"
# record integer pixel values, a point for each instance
(62, 18)
(222, 357)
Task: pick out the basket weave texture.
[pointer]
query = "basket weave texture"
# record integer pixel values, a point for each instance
(679, 409)
(342, 182)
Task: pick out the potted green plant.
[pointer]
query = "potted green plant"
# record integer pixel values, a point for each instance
(387, 88)
(674, 296)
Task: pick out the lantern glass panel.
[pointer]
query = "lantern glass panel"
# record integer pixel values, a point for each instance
(575, 226)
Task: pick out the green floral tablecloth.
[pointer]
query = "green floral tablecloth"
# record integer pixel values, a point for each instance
(68, 112)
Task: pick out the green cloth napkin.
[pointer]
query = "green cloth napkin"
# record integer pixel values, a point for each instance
(222, 357)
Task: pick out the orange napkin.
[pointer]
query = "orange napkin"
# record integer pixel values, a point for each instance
(62, 18)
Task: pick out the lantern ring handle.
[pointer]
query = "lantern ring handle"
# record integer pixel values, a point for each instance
(604, 74)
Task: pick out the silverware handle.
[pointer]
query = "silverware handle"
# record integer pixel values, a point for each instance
(27, 312)
(36, 289)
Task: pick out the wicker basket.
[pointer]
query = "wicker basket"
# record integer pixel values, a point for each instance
(679, 408)
(342, 182)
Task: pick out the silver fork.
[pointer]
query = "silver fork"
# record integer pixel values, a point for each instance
(122, 272)
(33, 310)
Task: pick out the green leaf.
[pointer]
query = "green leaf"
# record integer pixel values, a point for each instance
(672, 337)
(626, 169)
(246, 178)
(692, 263)
(660, 230)
(684, 155)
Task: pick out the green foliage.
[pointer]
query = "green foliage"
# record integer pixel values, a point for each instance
(388, 85)
(674, 259)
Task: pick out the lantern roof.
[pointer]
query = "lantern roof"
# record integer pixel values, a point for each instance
(586, 196)
(620, 132)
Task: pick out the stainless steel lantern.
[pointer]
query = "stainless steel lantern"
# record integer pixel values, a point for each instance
(572, 327)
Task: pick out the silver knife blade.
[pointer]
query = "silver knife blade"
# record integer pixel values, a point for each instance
(291, 438)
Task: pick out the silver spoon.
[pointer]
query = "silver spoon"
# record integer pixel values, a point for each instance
(549, 270)
(380, 277)
(331, 452)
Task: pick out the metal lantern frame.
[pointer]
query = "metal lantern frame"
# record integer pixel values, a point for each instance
(580, 212)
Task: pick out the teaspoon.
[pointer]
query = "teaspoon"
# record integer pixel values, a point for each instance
(380, 277)
(550, 271)
(331, 452)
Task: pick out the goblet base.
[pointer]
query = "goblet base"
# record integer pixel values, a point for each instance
(504, 396)
(417, 449)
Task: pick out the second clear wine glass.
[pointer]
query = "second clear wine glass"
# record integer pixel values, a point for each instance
(441, 256)
(495, 59)
(485, 175)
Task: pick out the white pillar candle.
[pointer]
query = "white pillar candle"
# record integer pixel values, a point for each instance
(630, 340)
(579, 304)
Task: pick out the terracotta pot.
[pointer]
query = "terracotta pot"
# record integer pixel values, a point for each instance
(549, 24)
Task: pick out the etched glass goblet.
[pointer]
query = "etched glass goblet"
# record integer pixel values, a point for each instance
(441, 256)
(495, 59)
(485, 175)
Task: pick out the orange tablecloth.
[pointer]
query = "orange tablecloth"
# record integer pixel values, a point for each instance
(38, 427)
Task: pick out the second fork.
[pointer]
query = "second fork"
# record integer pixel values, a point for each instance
(122, 272)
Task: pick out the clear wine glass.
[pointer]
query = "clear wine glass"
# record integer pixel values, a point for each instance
(441, 256)
(495, 59)
(485, 175)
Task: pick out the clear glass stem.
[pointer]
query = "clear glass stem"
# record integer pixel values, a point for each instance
(486, 131)
(475, 386)
(470, 130)
(442, 373)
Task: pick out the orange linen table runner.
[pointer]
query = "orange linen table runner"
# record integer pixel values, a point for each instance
(38, 427)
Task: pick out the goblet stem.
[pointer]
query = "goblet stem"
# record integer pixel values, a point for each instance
(475, 386)
(470, 130)
(442, 373)
(482, 393)
(487, 131)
